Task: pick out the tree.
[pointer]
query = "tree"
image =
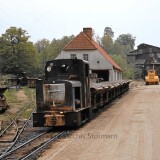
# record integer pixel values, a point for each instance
(117, 49)
(16, 52)
(57, 45)
(126, 40)
(107, 43)
(41, 45)
(98, 39)
(107, 40)
(43, 50)
(49, 50)
(108, 32)
(129, 71)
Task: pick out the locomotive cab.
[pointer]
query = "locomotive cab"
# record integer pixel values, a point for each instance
(63, 98)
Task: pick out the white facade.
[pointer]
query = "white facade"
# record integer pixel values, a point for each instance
(117, 75)
(96, 60)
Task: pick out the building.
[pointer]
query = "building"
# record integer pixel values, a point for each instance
(84, 47)
(145, 57)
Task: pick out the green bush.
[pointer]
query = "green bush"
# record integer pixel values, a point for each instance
(129, 71)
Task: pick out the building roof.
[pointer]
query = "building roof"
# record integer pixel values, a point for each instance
(84, 42)
(142, 46)
(81, 41)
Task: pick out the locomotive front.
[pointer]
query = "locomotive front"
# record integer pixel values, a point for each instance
(61, 97)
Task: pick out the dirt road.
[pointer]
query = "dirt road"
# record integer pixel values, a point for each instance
(128, 130)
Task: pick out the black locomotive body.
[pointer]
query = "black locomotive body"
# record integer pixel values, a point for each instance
(68, 97)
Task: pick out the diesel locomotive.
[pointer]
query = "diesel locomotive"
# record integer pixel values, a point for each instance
(69, 94)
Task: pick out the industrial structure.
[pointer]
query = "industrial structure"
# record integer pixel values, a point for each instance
(145, 57)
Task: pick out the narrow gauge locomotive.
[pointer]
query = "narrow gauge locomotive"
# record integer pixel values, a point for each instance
(68, 96)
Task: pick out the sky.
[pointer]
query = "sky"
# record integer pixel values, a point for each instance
(51, 19)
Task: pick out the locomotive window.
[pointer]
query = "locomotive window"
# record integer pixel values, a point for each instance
(64, 68)
(86, 70)
(77, 92)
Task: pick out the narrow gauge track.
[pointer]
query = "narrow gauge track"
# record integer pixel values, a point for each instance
(13, 122)
(13, 130)
(32, 147)
(17, 124)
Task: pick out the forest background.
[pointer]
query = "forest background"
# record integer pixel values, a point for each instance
(18, 54)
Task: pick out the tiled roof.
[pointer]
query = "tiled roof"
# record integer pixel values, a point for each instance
(107, 57)
(82, 42)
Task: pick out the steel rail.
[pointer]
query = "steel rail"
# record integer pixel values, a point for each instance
(60, 135)
(11, 151)
(19, 133)
(13, 121)
(54, 138)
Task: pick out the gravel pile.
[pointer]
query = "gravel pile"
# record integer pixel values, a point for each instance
(136, 83)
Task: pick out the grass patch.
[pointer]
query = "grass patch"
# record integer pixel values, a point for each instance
(11, 95)
(30, 92)
(19, 99)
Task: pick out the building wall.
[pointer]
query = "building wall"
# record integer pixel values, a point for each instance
(131, 59)
(142, 58)
(117, 75)
(96, 60)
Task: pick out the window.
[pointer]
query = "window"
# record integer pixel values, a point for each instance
(73, 56)
(85, 57)
(77, 94)
(64, 69)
